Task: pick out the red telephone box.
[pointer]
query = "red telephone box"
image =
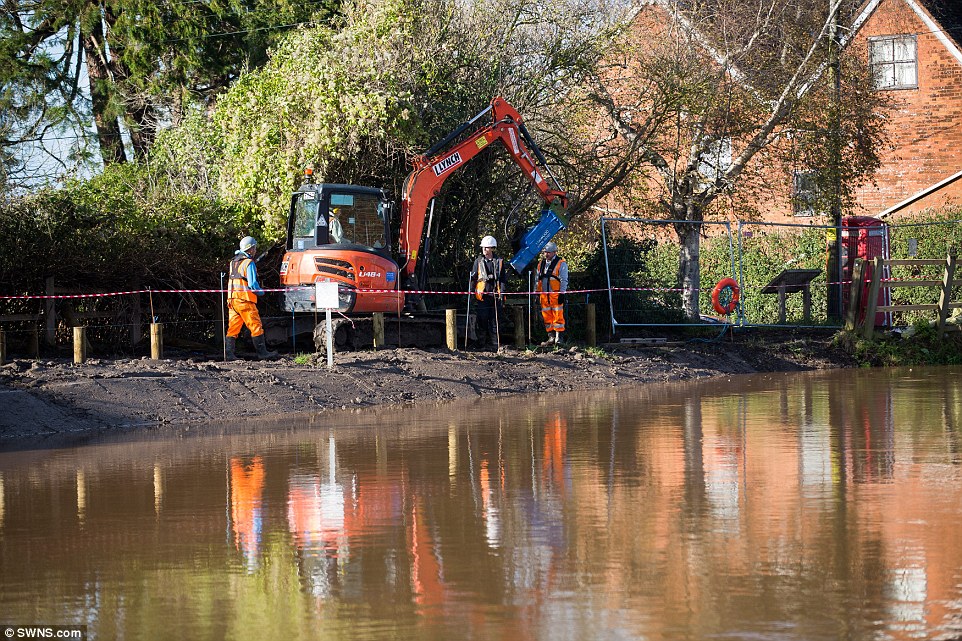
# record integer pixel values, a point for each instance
(866, 238)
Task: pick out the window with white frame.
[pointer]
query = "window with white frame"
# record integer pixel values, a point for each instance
(804, 193)
(894, 62)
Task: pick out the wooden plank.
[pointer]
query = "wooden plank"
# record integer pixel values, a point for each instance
(591, 332)
(19, 317)
(855, 295)
(872, 302)
(50, 314)
(915, 262)
(643, 341)
(946, 296)
(913, 283)
(907, 308)
(955, 305)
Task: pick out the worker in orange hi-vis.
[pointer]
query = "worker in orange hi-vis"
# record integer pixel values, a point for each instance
(552, 275)
(242, 292)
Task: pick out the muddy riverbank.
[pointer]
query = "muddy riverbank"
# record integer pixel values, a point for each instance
(54, 400)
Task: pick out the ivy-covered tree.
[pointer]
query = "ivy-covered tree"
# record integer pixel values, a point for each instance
(356, 101)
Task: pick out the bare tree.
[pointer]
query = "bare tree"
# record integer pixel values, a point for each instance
(700, 87)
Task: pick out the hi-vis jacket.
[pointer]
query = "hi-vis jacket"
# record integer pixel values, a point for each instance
(488, 276)
(243, 283)
(553, 275)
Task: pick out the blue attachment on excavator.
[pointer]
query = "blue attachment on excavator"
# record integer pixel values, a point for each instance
(537, 237)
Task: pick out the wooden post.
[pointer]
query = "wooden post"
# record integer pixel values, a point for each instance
(451, 328)
(135, 320)
(781, 304)
(872, 303)
(79, 345)
(855, 295)
(156, 341)
(3, 347)
(591, 330)
(807, 303)
(946, 296)
(519, 332)
(50, 314)
(35, 342)
(379, 330)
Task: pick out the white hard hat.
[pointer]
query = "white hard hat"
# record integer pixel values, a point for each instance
(247, 242)
(551, 247)
(489, 241)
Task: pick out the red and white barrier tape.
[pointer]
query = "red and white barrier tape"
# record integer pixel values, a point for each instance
(359, 291)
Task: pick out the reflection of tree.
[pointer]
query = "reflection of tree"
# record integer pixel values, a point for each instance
(694, 455)
(246, 491)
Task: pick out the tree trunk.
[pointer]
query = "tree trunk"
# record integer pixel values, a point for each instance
(108, 129)
(689, 268)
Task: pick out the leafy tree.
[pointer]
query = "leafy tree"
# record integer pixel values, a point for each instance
(130, 66)
(704, 94)
(357, 100)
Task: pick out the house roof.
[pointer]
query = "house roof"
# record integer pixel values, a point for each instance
(948, 13)
(942, 17)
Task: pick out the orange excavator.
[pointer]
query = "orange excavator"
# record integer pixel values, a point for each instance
(342, 233)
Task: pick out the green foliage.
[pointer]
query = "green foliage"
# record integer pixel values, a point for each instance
(933, 233)
(357, 100)
(118, 231)
(922, 346)
(597, 352)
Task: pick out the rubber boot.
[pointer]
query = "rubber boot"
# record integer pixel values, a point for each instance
(260, 344)
(559, 338)
(230, 345)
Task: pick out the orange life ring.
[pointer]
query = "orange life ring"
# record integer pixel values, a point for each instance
(726, 290)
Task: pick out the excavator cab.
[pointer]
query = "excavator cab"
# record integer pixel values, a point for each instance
(339, 233)
(329, 214)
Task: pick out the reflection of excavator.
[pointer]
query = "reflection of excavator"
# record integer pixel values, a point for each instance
(362, 257)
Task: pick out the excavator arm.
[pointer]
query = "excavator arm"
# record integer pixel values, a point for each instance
(434, 167)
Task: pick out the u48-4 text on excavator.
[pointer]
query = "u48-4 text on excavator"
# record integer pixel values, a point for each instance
(342, 233)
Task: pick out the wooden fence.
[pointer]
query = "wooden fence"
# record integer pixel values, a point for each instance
(942, 308)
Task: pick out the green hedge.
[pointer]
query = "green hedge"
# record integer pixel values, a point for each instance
(115, 231)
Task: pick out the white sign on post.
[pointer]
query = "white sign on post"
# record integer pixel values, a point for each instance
(325, 297)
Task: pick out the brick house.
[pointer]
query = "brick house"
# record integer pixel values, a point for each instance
(915, 49)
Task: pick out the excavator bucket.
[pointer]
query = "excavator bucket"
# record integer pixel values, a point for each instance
(550, 223)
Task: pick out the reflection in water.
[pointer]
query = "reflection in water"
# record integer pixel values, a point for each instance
(815, 506)
(246, 509)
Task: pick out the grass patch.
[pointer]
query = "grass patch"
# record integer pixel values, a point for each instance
(597, 352)
(304, 359)
(921, 347)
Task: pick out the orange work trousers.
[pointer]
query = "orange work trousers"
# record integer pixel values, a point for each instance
(552, 312)
(243, 312)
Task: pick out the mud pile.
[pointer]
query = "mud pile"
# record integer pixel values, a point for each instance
(47, 398)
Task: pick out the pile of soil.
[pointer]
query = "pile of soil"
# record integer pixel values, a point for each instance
(53, 399)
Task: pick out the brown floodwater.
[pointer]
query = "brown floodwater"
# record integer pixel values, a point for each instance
(801, 506)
